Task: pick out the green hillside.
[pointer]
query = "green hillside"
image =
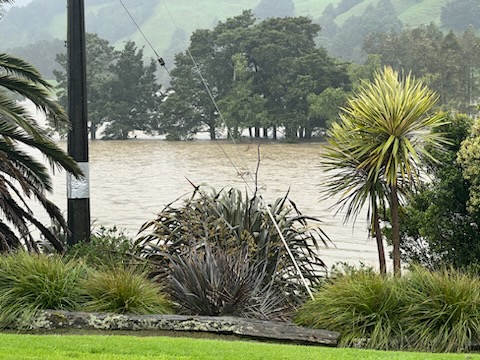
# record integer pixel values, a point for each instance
(190, 15)
(418, 13)
(169, 23)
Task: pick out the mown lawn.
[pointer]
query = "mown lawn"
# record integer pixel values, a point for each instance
(88, 347)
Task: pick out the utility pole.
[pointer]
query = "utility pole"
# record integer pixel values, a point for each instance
(78, 190)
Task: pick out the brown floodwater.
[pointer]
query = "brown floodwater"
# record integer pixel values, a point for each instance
(130, 181)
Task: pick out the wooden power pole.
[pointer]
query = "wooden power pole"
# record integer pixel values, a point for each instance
(78, 190)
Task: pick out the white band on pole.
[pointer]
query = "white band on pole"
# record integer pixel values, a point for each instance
(79, 188)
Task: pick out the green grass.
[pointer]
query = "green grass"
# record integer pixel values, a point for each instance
(53, 347)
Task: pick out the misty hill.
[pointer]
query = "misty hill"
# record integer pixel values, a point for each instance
(168, 24)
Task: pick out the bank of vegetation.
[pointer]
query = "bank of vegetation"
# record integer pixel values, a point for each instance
(229, 253)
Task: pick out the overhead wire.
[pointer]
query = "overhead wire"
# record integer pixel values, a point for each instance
(159, 58)
(217, 109)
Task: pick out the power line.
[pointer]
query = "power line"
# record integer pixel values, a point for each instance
(212, 99)
(159, 58)
(272, 217)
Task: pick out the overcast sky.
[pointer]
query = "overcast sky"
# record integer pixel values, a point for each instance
(19, 3)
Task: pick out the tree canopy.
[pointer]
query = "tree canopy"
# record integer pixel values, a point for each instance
(449, 63)
(273, 65)
(123, 94)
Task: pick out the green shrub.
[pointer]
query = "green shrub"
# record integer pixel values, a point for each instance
(227, 220)
(106, 248)
(362, 305)
(443, 312)
(422, 311)
(123, 290)
(30, 282)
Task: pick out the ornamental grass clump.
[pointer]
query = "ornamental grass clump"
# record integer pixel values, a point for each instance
(32, 282)
(362, 305)
(443, 313)
(123, 290)
(434, 311)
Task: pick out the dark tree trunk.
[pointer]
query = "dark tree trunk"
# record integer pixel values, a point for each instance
(308, 133)
(250, 132)
(300, 133)
(265, 133)
(257, 132)
(274, 136)
(93, 131)
(212, 128)
(290, 133)
(379, 238)
(394, 208)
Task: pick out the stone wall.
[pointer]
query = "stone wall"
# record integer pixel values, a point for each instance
(267, 330)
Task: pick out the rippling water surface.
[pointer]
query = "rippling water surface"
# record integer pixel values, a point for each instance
(131, 181)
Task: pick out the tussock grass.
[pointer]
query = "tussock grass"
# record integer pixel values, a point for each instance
(30, 282)
(423, 311)
(360, 305)
(443, 310)
(123, 290)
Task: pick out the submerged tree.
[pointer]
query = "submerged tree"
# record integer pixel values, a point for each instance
(122, 91)
(261, 73)
(100, 55)
(131, 94)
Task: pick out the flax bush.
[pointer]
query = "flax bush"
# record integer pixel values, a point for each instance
(227, 227)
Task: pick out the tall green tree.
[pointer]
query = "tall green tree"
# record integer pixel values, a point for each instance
(383, 121)
(269, 68)
(132, 95)
(242, 108)
(209, 63)
(351, 183)
(100, 56)
(22, 176)
(122, 91)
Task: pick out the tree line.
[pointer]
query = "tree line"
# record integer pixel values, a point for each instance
(449, 63)
(263, 76)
